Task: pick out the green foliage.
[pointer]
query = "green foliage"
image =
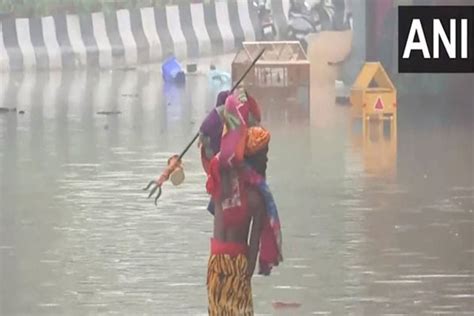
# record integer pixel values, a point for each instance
(28, 8)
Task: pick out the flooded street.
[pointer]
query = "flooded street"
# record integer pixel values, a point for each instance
(370, 227)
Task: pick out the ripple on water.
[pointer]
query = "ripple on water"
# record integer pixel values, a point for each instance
(398, 282)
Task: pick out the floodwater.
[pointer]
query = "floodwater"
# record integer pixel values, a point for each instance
(377, 224)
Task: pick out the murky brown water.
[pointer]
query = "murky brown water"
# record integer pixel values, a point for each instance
(370, 227)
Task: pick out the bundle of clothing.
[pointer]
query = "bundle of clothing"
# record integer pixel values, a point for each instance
(229, 133)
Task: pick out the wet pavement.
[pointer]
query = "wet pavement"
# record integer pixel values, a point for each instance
(370, 227)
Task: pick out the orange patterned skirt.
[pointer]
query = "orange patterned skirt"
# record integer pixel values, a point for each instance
(228, 286)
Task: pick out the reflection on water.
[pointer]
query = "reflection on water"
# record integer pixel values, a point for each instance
(374, 223)
(375, 140)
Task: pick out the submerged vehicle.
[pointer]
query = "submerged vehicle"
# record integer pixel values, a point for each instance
(301, 22)
(265, 17)
(305, 17)
(172, 71)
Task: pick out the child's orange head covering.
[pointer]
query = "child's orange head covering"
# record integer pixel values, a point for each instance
(257, 139)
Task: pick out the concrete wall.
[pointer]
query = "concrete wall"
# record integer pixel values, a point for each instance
(131, 37)
(126, 38)
(357, 56)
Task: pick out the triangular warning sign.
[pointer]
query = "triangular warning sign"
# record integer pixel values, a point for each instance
(379, 104)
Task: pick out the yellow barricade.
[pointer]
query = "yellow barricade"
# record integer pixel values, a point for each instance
(373, 95)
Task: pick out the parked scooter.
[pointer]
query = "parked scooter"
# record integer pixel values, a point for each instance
(302, 21)
(265, 17)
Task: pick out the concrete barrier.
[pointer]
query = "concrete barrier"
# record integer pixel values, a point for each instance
(130, 37)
